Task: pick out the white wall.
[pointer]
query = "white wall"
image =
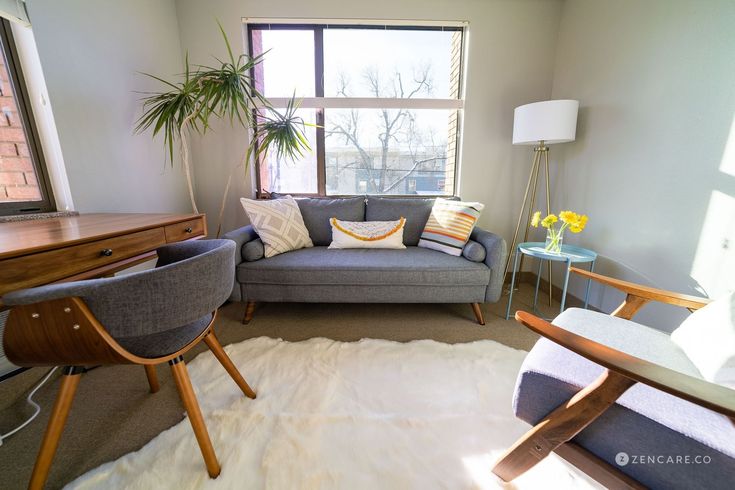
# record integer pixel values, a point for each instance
(91, 53)
(511, 54)
(656, 81)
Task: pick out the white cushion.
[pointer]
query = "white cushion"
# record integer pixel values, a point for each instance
(707, 337)
(627, 336)
(278, 223)
(367, 234)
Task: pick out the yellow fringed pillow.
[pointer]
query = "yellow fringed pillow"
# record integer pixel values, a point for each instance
(367, 234)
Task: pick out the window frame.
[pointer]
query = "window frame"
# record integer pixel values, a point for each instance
(318, 102)
(30, 130)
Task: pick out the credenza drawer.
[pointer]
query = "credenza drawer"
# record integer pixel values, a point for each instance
(53, 265)
(185, 230)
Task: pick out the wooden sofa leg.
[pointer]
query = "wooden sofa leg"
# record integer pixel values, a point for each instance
(562, 424)
(249, 310)
(478, 313)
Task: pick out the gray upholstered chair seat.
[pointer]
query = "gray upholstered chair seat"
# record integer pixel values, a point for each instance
(644, 421)
(323, 266)
(164, 343)
(155, 314)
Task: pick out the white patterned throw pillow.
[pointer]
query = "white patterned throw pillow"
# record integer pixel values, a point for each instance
(278, 223)
(367, 234)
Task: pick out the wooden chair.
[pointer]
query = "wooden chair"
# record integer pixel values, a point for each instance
(144, 318)
(617, 373)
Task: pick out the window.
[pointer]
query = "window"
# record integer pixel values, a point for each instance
(24, 185)
(385, 101)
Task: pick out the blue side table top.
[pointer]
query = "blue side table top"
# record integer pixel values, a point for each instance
(569, 253)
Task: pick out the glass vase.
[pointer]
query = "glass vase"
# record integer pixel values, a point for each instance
(554, 241)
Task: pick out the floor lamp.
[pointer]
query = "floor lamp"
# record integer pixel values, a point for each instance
(540, 124)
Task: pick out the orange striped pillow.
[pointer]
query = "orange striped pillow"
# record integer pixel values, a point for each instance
(450, 225)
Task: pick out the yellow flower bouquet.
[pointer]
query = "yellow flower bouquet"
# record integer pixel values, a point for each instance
(555, 233)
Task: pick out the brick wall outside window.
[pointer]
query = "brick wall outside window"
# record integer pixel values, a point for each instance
(18, 181)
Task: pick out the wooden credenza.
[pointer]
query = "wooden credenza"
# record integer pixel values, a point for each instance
(37, 252)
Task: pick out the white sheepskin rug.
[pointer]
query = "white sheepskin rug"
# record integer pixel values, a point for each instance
(372, 414)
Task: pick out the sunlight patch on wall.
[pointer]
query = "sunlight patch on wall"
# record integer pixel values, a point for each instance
(715, 257)
(728, 157)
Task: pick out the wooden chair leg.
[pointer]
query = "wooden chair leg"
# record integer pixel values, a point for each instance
(565, 422)
(478, 313)
(150, 372)
(186, 392)
(249, 310)
(55, 427)
(224, 359)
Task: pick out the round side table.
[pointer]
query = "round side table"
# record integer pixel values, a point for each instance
(569, 254)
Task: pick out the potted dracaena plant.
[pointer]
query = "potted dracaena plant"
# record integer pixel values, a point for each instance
(222, 91)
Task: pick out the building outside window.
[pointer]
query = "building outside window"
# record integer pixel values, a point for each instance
(24, 184)
(385, 100)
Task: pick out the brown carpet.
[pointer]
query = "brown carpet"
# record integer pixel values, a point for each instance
(113, 413)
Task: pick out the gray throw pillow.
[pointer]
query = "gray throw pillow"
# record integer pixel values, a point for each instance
(416, 210)
(474, 251)
(253, 250)
(317, 211)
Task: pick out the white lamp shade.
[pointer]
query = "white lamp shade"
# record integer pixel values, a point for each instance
(550, 121)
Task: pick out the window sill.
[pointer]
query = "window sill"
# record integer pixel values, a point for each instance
(268, 195)
(33, 216)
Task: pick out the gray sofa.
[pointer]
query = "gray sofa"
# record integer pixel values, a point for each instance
(413, 275)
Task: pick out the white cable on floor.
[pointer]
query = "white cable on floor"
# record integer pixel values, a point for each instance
(29, 399)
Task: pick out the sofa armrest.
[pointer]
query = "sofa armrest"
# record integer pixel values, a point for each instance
(240, 236)
(496, 253)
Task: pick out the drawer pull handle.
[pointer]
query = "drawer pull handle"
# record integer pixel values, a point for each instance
(106, 252)
(188, 229)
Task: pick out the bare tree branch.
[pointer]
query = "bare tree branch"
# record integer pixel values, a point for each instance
(396, 126)
(409, 172)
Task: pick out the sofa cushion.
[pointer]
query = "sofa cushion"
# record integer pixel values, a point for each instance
(644, 421)
(415, 210)
(707, 337)
(319, 265)
(318, 211)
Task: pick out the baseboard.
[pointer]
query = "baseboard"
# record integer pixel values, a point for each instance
(528, 277)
